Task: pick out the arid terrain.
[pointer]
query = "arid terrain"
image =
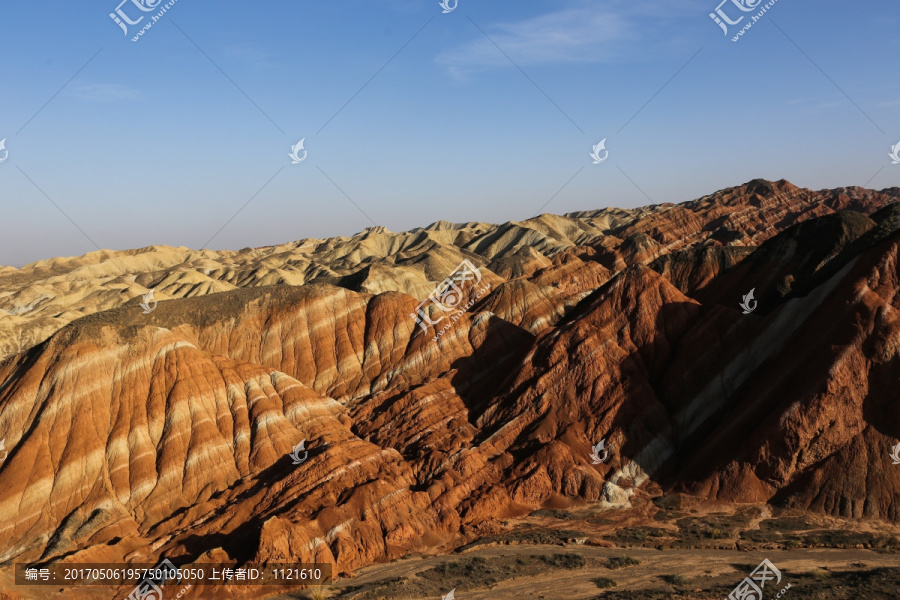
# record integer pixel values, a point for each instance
(459, 448)
(698, 551)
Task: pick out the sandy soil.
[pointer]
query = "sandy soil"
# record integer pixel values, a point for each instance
(699, 566)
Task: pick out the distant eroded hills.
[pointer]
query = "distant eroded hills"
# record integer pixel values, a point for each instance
(133, 436)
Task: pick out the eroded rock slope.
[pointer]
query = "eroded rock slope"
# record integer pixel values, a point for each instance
(133, 436)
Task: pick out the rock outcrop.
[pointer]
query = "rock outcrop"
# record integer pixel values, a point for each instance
(134, 435)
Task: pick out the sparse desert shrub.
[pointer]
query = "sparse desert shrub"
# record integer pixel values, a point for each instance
(319, 593)
(557, 537)
(788, 524)
(839, 538)
(710, 528)
(554, 513)
(761, 536)
(565, 561)
(604, 582)
(629, 536)
(676, 579)
(664, 516)
(637, 535)
(620, 562)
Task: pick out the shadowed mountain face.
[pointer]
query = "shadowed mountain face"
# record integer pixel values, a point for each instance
(136, 435)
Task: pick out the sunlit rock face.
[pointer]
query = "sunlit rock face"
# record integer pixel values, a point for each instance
(133, 435)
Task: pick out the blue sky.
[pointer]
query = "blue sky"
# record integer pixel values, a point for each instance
(164, 140)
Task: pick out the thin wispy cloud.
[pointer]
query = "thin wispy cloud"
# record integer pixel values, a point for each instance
(105, 92)
(573, 35)
(578, 33)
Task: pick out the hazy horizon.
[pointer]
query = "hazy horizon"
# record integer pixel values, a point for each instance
(350, 235)
(410, 116)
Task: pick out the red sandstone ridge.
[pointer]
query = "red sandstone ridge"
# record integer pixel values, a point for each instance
(136, 436)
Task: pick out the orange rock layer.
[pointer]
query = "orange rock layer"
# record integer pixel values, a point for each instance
(135, 436)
